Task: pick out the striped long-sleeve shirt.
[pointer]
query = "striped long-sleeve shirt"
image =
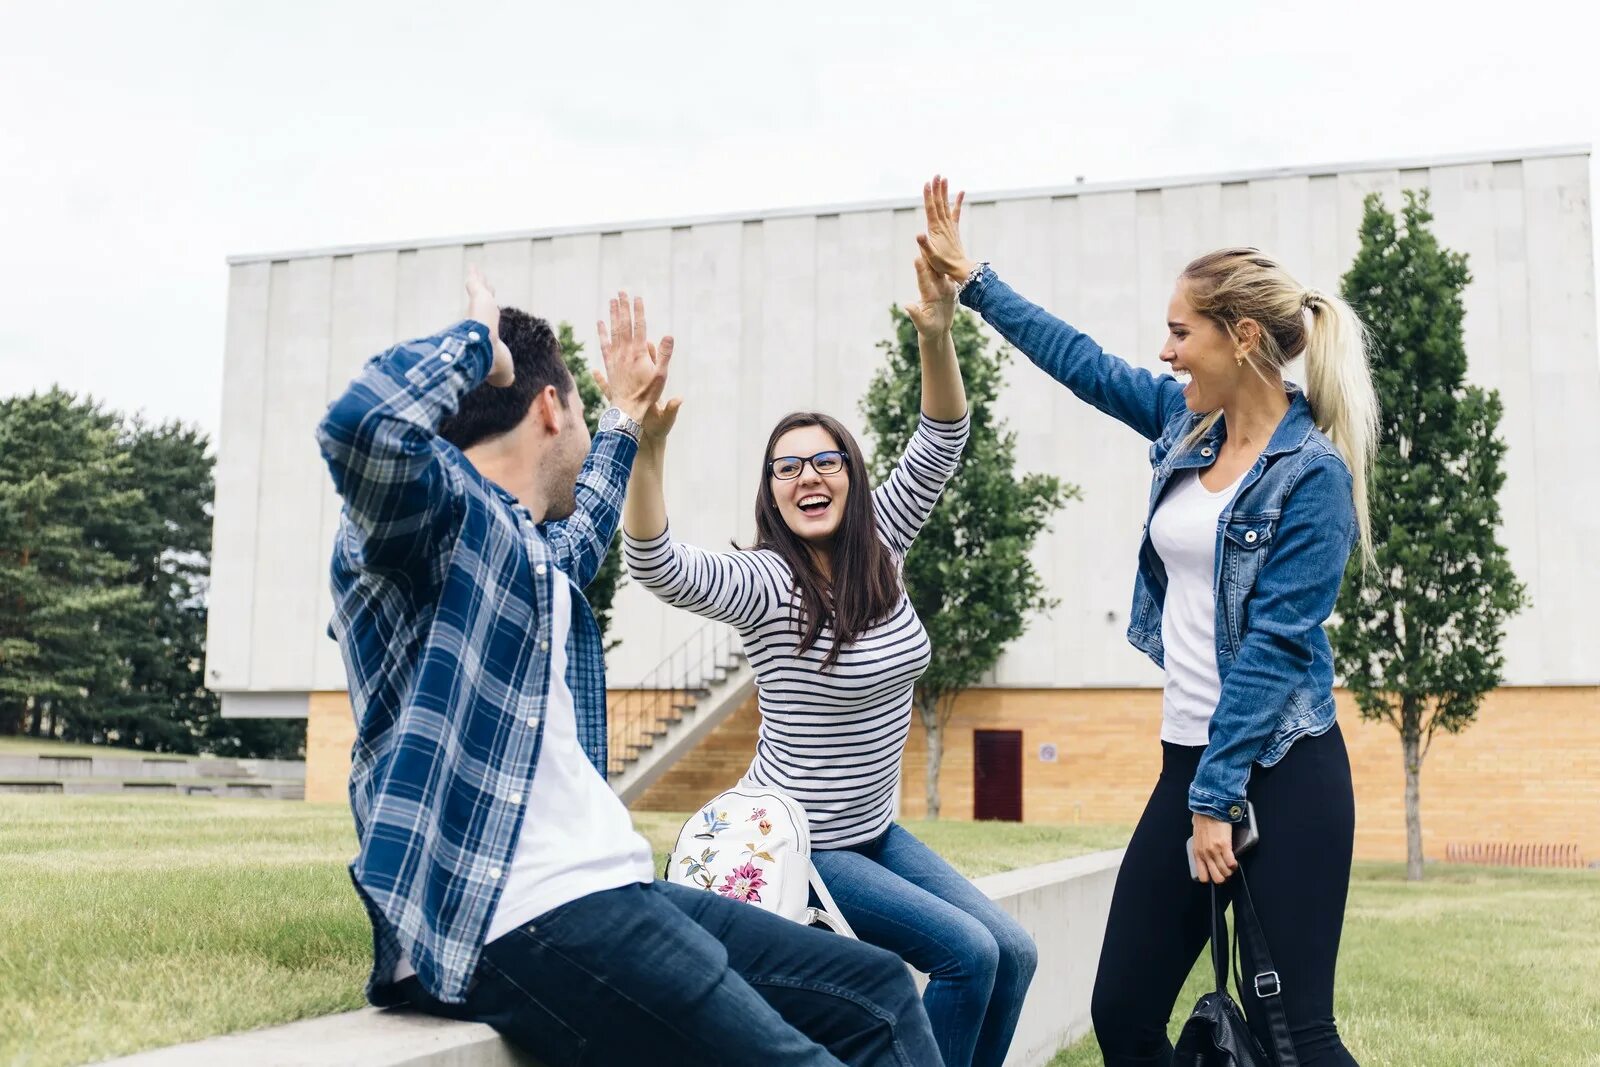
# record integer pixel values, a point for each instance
(830, 739)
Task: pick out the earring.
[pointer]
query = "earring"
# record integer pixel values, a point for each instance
(1238, 359)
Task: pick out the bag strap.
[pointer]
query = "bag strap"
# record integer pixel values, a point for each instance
(837, 923)
(1219, 941)
(1268, 988)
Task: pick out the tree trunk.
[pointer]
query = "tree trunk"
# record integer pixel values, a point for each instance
(1411, 750)
(928, 708)
(38, 718)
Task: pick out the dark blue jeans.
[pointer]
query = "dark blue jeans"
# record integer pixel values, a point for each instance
(896, 892)
(663, 974)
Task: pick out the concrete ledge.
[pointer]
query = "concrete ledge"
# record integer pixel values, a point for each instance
(370, 1036)
(1064, 906)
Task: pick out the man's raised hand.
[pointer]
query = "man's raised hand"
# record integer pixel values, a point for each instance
(635, 370)
(481, 307)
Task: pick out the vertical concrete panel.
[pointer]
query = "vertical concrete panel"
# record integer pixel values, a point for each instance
(1519, 499)
(292, 478)
(868, 272)
(509, 267)
(787, 323)
(830, 293)
(1019, 233)
(1353, 189)
(1237, 227)
(1076, 625)
(1565, 397)
(1323, 208)
(430, 291)
(1116, 477)
(1463, 208)
(566, 285)
(1280, 211)
(362, 321)
(753, 423)
(230, 636)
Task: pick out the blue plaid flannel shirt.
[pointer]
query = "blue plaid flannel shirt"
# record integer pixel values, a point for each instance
(442, 592)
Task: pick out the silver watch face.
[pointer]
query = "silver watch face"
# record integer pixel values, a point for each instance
(616, 419)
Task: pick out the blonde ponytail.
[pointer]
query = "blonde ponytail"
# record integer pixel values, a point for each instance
(1343, 401)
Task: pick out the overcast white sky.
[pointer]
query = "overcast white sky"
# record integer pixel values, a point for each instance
(142, 143)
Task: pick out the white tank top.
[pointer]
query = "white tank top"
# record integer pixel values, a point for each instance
(1184, 533)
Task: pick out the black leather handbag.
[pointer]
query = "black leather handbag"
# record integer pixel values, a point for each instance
(1216, 1034)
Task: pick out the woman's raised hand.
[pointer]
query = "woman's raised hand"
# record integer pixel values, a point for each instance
(941, 245)
(936, 309)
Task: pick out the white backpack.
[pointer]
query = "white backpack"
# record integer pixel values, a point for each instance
(753, 844)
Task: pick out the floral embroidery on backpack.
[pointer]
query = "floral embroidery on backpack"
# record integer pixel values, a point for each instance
(699, 870)
(744, 883)
(715, 822)
(764, 824)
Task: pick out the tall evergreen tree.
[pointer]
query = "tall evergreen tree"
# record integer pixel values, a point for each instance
(63, 588)
(968, 574)
(105, 542)
(1419, 639)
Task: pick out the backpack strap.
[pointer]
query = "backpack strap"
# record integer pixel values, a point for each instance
(1268, 989)
(831, 916)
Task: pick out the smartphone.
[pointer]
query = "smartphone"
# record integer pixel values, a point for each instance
(1245, 834)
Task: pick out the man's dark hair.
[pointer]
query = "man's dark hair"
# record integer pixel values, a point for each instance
(489, 411)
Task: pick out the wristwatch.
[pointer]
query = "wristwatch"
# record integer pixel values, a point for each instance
(614, 419)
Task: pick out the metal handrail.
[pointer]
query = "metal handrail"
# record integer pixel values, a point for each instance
(642, 713)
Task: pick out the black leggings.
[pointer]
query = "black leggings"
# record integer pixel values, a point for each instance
(1299, 876)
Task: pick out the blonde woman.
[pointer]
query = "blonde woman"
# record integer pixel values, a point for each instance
(1258, 498)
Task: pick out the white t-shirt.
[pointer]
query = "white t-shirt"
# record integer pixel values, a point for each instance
(1184, 532)
(577, 837)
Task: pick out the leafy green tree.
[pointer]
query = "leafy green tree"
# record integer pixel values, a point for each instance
(603, 590)
(1419, 639)
(63, 589)
(166, 538)
(105, 543)
(968, 575)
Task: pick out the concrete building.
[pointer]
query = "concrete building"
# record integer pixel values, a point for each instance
(785, 308)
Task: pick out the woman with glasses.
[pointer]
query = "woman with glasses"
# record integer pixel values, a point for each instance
(837, 647)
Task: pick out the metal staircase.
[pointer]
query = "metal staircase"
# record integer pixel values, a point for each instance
(662, 717)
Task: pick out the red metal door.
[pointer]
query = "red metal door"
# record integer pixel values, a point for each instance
(997, 775)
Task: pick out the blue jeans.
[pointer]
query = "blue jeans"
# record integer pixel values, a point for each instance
(664, 974)
(896, 892)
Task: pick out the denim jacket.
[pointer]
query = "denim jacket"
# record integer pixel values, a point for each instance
(1282, 546)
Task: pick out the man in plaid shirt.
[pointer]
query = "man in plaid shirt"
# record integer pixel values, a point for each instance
(502, 876)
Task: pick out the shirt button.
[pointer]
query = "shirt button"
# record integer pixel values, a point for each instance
(544, 646)
(445, 357)
(540, 570)
(1250, 537)
(494, 873)
(1205, 451)
(1235, 811)
(472, 335)
(516, 798)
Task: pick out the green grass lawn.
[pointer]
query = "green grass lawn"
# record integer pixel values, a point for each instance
(131, 923)
(135, 922)
(1474, 966)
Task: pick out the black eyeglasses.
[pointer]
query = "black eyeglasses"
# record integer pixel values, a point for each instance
(788, 468)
